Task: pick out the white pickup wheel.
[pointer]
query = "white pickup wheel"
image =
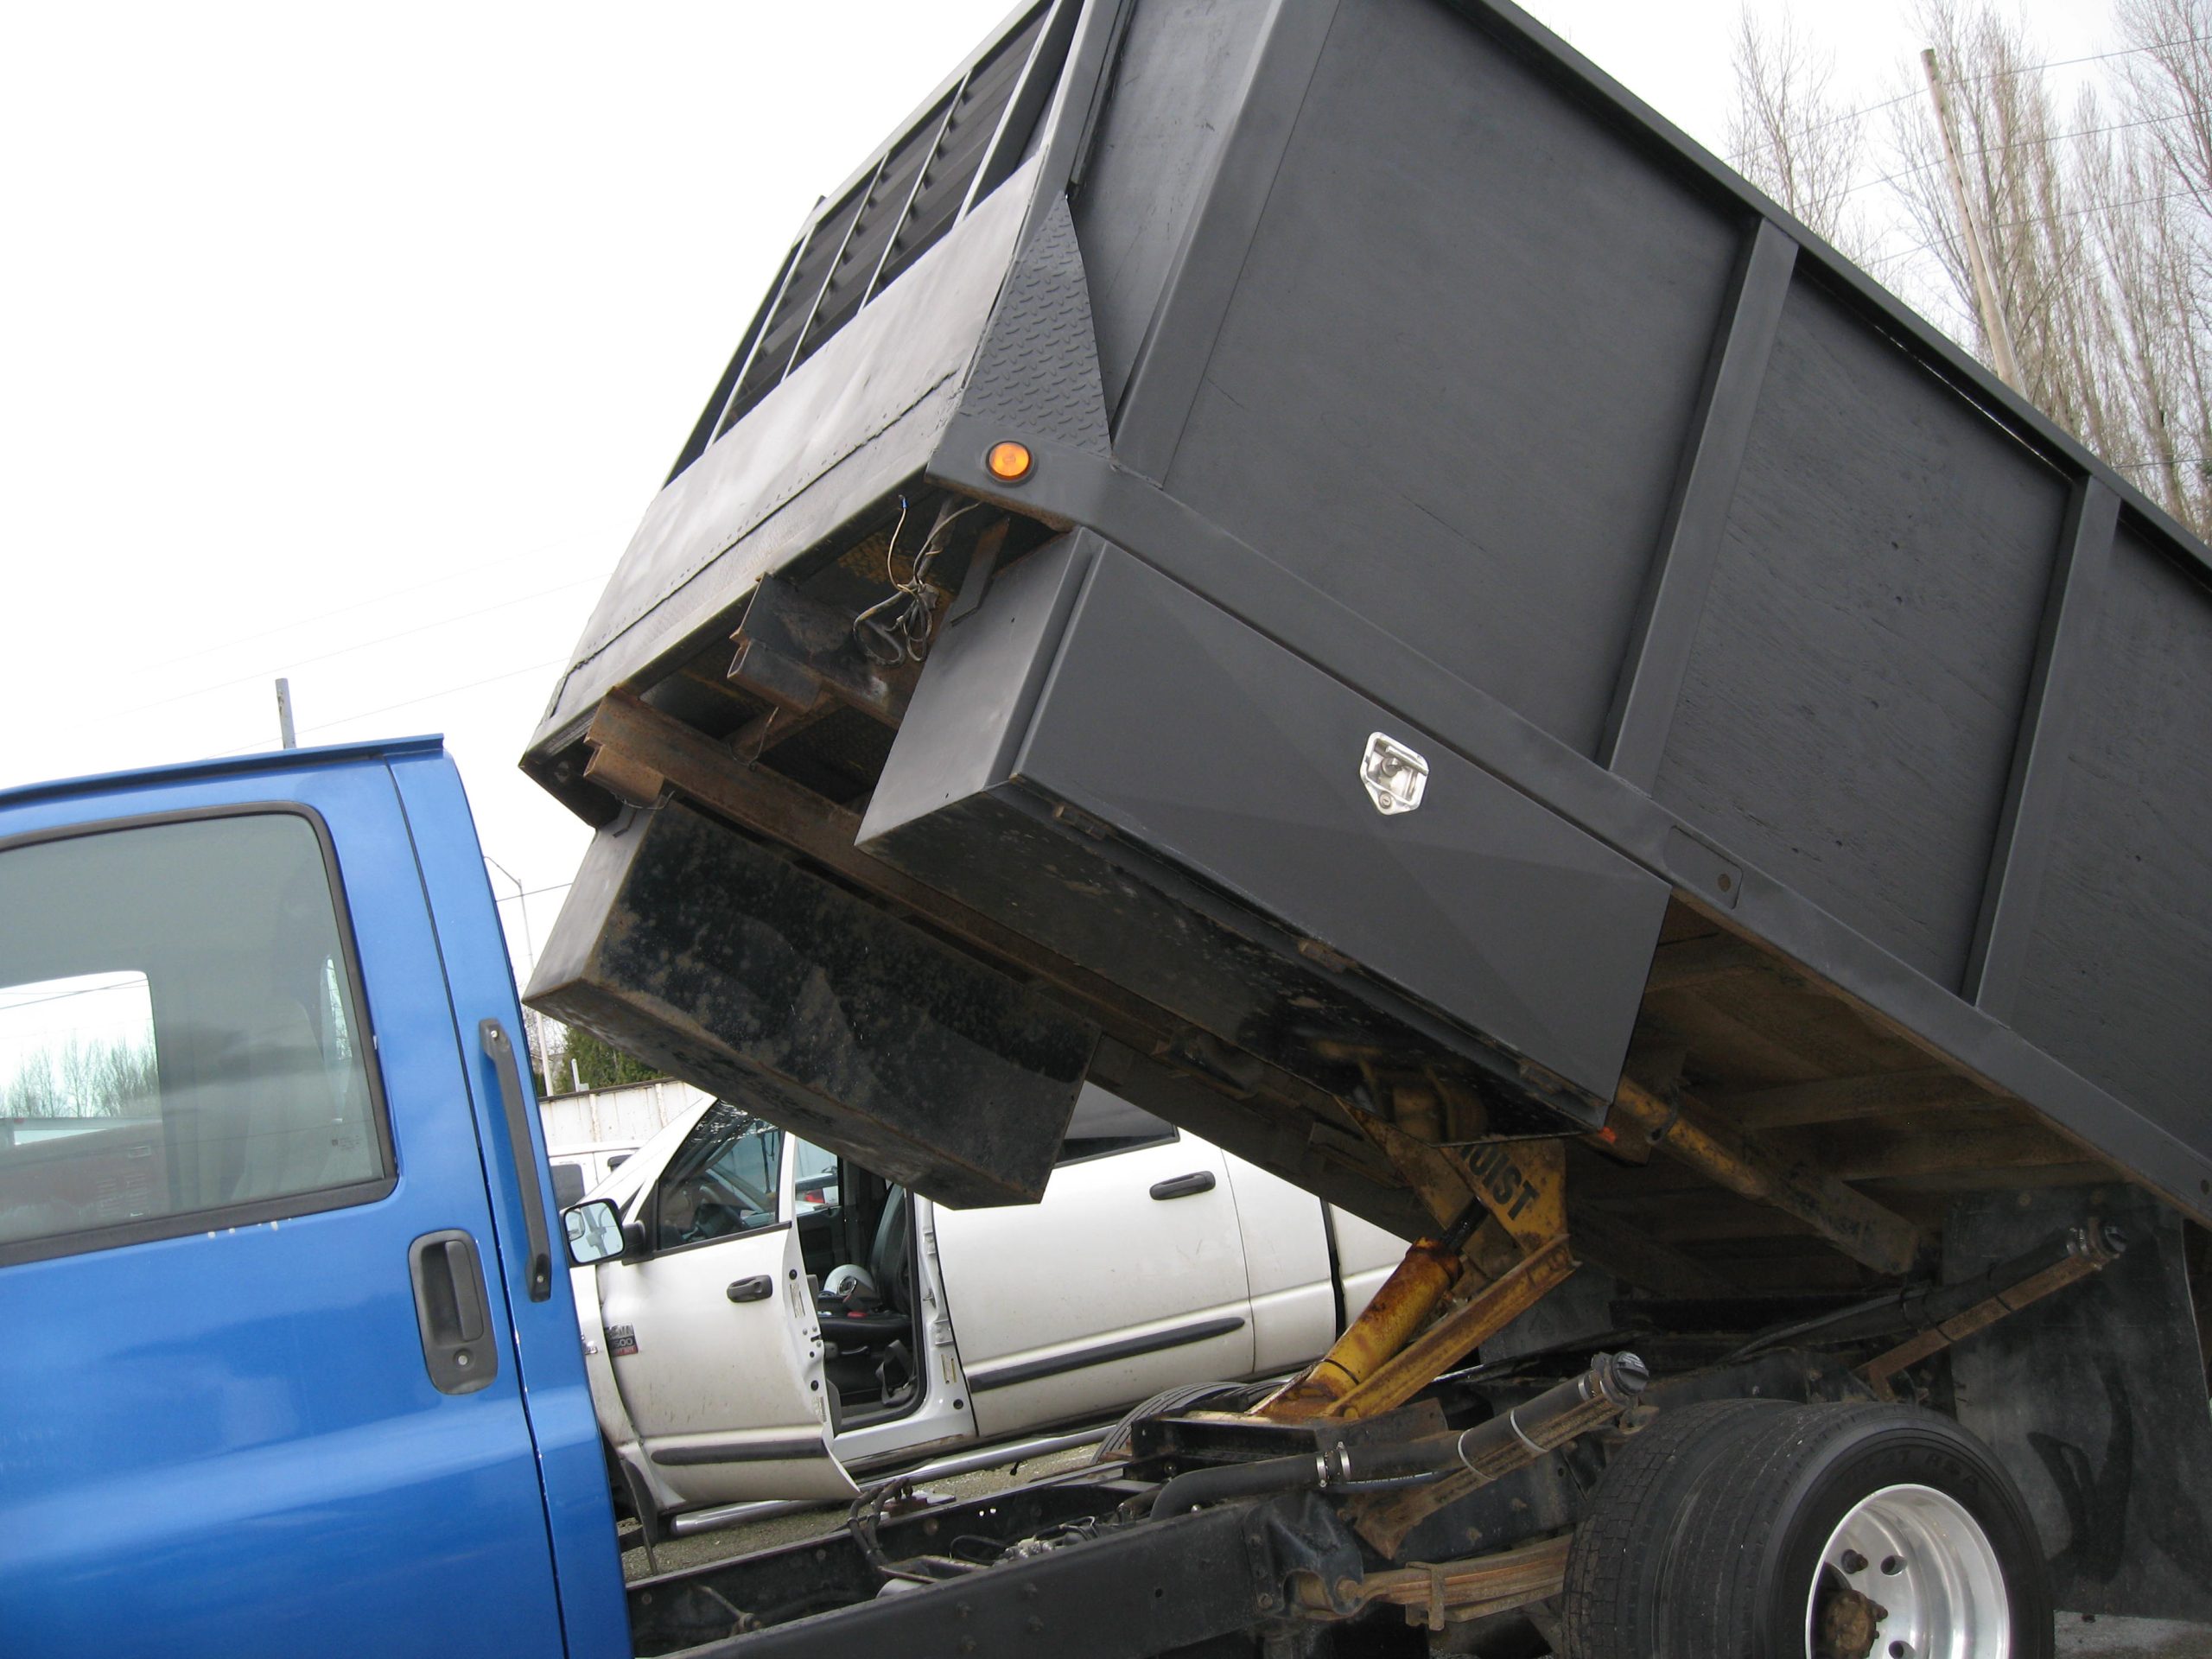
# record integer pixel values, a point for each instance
(1834, 1531)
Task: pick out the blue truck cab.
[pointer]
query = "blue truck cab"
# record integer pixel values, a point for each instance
(294, 1364)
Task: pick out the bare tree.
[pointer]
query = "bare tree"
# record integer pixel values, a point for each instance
(1790, 135)
(2021, 189)
(2097, 220)
(2154, 196)
(82, 1076)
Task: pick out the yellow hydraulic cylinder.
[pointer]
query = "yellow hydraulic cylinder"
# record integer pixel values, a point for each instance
(1402, 1308)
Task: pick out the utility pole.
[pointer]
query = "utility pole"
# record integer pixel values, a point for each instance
(2001, 357)
(284, 715)
(530, 961)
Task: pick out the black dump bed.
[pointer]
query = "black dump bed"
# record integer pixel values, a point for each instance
(1497, 617)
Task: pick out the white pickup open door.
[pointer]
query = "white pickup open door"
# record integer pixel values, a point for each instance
(717, 1352)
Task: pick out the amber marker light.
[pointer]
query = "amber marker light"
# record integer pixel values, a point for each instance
(1009, 463)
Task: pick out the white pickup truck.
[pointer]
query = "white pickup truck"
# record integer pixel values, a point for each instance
(782, 1319)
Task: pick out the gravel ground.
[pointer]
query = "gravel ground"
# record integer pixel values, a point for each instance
(2080, 1635)
(2132, 1638)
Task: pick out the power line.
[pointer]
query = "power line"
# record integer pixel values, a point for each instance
(365, 644)
(348, 608)
(2155, 460)
(2094, 57)
(1992, 75)
(432, 697)
(1822, 126)
(389, 708)
(2016, 144)
(63, 996)
(558, 886)
(2045, 219)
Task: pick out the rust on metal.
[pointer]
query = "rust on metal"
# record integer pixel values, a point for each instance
(2091, 1251)
(1442, 1301)
(1868, 1233)
(1490, 1451)
(1408, 1298)
(1456, 1332)
(1523, 1185)
(798, 653)
(1446, 1592)
(1442, 1182)
(628, 779)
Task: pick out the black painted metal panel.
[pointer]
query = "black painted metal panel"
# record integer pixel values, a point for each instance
(2064, 662)
(1461, 361)
(1214, 747)
(1171, 105)
(1697, 523)
(1849, 712)
(2112, 1448)
(2118, 977)
(1215, 751)
(1436, 323)
(729, 967)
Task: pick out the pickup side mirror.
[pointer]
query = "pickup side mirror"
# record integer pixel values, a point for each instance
(595, 1232)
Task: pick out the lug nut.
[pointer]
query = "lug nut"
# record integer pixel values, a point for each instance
(1852, 1562)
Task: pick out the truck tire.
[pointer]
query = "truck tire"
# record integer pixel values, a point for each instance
(1855, 1531)
(1618, 1563)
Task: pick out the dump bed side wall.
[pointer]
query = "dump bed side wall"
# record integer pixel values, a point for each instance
(2114, 969)
(1428, 353)
(1521, 386)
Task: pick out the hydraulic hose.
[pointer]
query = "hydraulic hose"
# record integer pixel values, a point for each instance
(1514, 1438)
(1196, 1487)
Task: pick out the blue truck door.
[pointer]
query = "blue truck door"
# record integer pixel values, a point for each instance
(265, 1394)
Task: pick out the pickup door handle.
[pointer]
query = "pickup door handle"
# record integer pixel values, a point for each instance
(758, 1288)
(449, 1311)
(1184, 1187)
(500, 1049)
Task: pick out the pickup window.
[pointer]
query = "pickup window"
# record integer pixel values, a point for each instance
(181, 1035)
(1103, 1122)
(722, 1182)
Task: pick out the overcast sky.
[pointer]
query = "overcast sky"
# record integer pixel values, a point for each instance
(350, 343)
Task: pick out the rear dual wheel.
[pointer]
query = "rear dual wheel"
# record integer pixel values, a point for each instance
(1753, 1530)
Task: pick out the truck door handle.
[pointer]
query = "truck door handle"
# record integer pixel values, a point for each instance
(450, 1313)
(1184, 1187)
(501, 1050)
(758, 1288)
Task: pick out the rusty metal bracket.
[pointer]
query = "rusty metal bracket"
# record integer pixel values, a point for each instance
(1867, 1232)
(1456, 1332)
(798, 653)
(1434, 1594)
(628, 779)
(1606, 1395)
(2090, 1248)
(1449, 1294)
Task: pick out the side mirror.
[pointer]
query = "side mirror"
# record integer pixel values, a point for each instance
(595, 1232)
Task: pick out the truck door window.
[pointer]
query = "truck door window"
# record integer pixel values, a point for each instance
(721, 1182)
(1103, 1122)
(178, 1035)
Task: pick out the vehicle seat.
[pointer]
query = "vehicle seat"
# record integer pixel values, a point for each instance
(876, 1310)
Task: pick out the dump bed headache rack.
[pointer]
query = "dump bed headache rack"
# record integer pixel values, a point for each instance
(1490, 630)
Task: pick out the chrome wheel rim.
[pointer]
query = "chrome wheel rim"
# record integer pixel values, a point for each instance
(1911, 1575)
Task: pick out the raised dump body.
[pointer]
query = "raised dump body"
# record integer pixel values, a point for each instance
(1320, 565)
